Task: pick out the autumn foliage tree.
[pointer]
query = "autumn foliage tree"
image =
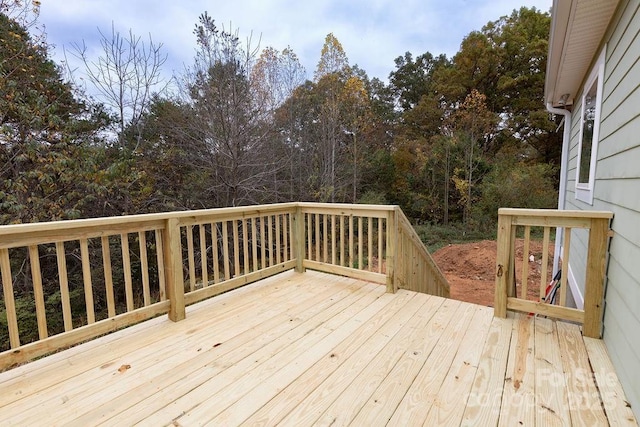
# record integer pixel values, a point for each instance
(46, 135)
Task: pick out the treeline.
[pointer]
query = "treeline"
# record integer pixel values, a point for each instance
(448, 139)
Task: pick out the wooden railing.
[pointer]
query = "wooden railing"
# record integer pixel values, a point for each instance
(415, 269)
(370, 242)
(79, 279)
(515, 222)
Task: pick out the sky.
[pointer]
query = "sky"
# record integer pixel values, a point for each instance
(372, 32)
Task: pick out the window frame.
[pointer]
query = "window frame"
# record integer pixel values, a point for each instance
(584, 191)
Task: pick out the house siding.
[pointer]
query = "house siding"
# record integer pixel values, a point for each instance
(617, 189)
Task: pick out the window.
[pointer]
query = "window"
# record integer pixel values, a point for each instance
(589, 128)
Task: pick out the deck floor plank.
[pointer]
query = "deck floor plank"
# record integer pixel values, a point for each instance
(552, 406)
(109, 348)
(618, 410)
(386, 398)
(483, 402)
(337, 372)
(245, 350)
(226, 387)
(585, 404)
(314, 348)
(457, 384)
(76, 391)
(235, 343)
(286, 365)
(416, 403)
(350, 402)
(345, 385)
(518, 396)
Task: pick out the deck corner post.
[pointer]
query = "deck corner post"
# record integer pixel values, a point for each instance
(392, 241)
(595, 277)
(173, 269)
(299, 238)
(503, 263)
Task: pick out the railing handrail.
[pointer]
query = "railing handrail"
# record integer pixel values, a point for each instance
(554, 213)
(11, 232)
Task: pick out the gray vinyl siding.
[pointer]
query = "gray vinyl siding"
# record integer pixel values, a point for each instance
(617, 189)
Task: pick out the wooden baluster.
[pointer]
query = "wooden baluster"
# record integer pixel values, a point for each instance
(309, 237)
(333, 240)
(544, 262)
(263, 243)
(190, 258)
(214, 250)
(325, 238)
(9, 299)
(317, 238)
(144, 265)
(245, 246)
(108, 276)
(126, 266)
(525, 263)
(38, 294)
(203, 255)
(369, 243)
(236, 249)
(360, 233)
(86, 278)
(254, 244)
(278, 243)
(64, 286)
(285, 240)
(225, 250)
(380, 237)
(566, 248)
(162, 285)
(270, 233)
(299, 239)
(351, 242)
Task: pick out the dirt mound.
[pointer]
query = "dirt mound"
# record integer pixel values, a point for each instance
(470, 269)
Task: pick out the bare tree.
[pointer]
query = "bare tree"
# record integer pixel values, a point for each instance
(125, 76)
(230, 125)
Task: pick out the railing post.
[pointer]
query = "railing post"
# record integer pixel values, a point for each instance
(594, 280)
(503, 265)
(299, 239)
(173, 269)
(392, 240)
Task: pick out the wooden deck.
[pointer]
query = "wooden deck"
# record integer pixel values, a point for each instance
(312, 348)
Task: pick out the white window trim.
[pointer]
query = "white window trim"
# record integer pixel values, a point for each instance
(584, 192)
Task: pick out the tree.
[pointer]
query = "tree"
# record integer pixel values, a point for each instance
(333, 59)
(125, 77)
(229, 127)
(331, 72)
(506, 61)
(275, 77)
(473, 125)
(47, 159)
(411, 80)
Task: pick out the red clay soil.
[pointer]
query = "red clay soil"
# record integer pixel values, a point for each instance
(470, 269)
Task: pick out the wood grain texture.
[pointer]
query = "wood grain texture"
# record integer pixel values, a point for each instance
(315, 348)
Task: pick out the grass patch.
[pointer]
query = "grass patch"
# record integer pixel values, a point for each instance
(437, 236)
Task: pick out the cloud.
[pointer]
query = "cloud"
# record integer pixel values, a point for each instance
(372, 32)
